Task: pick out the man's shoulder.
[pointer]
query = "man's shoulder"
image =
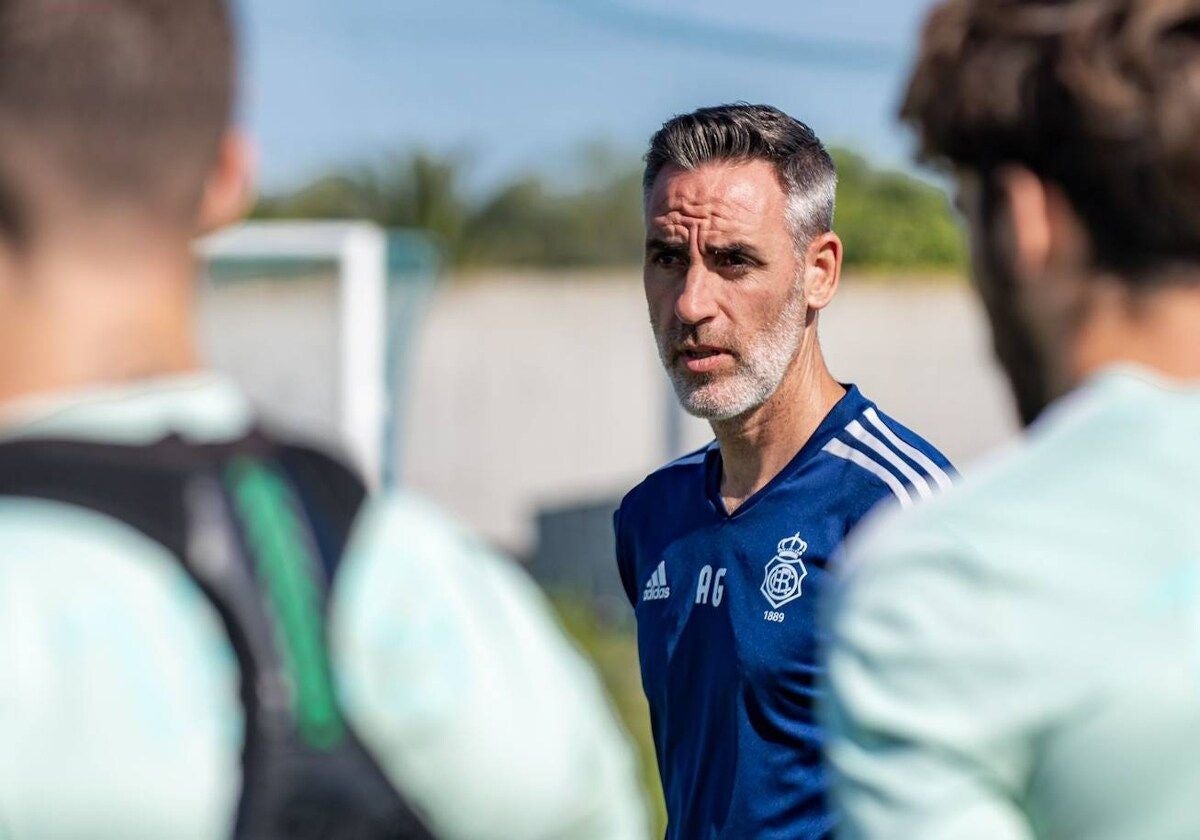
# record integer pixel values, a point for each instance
(1044, 518)
(685, 470)
(425, 619)
(415, 544)
(62, 556)
(1095, 455)
(902, 436)
(408, 553)
(68, 533)
(876, 457)
(1025, 494)
(64, 565)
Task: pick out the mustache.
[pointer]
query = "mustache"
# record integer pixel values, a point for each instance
(678, 339)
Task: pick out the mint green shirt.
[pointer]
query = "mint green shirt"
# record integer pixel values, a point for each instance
(119, 709)
(1021, 657)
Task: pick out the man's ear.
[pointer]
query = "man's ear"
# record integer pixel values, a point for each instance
(822, 270)
(1047, 235)
(1025, 198)
(229, 188)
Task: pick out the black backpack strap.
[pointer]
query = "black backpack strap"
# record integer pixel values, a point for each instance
(99, 478)
(198, 502)
(332, 496)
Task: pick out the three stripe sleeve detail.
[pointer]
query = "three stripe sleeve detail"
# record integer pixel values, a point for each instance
(884, 449)
(854, 456)
(916, 480)
(924, 461)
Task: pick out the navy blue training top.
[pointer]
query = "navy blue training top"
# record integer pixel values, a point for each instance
(727, 617)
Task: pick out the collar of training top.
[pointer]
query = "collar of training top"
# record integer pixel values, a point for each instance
(200, 407)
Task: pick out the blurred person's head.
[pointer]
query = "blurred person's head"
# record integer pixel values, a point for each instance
(1073, 127)
(740, 255)
(115, 152)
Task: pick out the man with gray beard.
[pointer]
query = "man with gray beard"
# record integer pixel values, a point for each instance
(723, 552)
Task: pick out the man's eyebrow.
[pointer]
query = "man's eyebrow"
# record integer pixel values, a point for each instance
(655, 243)
(734, 249)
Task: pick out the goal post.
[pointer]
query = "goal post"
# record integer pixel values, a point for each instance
(312, 319)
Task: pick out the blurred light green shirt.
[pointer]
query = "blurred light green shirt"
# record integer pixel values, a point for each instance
(119, 709)
(1021, 657)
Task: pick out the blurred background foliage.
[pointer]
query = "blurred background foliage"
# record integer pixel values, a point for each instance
(593, 218)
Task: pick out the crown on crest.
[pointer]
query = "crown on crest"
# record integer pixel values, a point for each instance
(790, 548)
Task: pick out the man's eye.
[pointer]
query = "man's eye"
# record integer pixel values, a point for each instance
(735, 261)
(664, 260)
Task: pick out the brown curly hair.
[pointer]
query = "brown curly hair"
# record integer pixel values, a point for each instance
(1101, 97)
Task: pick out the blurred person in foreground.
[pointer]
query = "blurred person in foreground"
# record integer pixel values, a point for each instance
(723, 552)
(1021, 658)
(166, 570)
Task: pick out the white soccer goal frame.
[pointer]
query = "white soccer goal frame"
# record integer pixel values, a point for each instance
(360, 252)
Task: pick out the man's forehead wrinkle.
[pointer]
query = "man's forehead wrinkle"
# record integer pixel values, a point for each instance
(679, 226)
(671, 232)
(717, 206)
(742, 202)
(718, 213)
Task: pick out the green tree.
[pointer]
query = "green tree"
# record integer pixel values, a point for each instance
(890, 220)
(887, 219)
(420, 190)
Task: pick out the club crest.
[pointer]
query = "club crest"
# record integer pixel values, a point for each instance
(785, 572)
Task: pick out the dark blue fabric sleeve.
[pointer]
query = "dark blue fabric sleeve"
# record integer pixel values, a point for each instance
(623, 560)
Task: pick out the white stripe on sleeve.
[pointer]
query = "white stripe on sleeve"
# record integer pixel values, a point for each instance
(935, 472)
(861, 459)
(914, 478)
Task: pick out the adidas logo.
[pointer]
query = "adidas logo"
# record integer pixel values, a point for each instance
(656, 587)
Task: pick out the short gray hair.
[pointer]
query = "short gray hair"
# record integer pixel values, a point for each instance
(743, 132)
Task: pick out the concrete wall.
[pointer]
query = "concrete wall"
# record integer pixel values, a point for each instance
(539, 392)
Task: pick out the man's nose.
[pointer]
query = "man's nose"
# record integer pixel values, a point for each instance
(696, 302)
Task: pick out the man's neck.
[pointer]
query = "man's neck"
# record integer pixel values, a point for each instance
(1160, 332)
(756, 446)
(71, 322)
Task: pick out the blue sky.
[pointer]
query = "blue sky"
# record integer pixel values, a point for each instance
(522, 84)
